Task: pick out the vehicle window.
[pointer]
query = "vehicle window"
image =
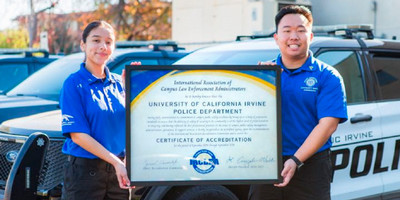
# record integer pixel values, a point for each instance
(119, 67)
(12, 74)
(228, 57)
(387, 70)
(347, 64)
(47, 82)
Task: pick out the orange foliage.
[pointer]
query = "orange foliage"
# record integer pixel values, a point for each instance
(132, 20)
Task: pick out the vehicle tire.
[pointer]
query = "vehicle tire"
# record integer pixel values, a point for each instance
(204, 192)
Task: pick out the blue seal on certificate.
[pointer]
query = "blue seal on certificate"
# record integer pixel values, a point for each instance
(204, 161)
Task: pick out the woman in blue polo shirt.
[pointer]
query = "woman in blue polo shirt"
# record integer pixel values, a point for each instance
(93, 117)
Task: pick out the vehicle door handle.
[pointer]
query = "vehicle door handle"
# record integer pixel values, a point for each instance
(360, 118)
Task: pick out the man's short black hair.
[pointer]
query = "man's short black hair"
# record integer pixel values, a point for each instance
(293, 9)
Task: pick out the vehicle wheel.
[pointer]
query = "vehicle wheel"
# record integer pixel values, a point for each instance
(204, 192)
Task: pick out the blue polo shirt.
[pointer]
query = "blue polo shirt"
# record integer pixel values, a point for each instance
(95, 107)
(313, 91)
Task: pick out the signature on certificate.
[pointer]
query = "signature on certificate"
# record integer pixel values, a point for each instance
(163, 162)
(249, 160)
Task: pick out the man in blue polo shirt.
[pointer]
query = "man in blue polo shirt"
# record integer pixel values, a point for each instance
(313, 104)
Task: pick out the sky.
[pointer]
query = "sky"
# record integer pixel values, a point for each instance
(10, 9)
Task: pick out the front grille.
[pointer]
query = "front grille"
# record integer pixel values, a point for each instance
(5, 165)
(51, 174)
(52, 171)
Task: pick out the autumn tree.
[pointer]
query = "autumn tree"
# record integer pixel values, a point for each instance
(62, 30)
(63, 34)
(33, 20)
(134, 19)
(17, 38)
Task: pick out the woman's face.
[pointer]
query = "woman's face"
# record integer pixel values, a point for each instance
(99, 46)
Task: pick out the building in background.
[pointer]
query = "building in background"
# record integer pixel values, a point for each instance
(382, 14)
(201, 23)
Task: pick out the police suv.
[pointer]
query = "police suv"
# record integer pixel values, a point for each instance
(40, 92)
(366, 148)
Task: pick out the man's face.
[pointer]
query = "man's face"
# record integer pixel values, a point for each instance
(294, 36)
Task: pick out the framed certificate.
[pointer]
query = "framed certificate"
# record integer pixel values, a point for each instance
(203, 124)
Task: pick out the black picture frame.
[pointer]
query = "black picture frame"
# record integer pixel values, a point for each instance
(154, 71)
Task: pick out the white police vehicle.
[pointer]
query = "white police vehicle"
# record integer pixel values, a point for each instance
(366, 149)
